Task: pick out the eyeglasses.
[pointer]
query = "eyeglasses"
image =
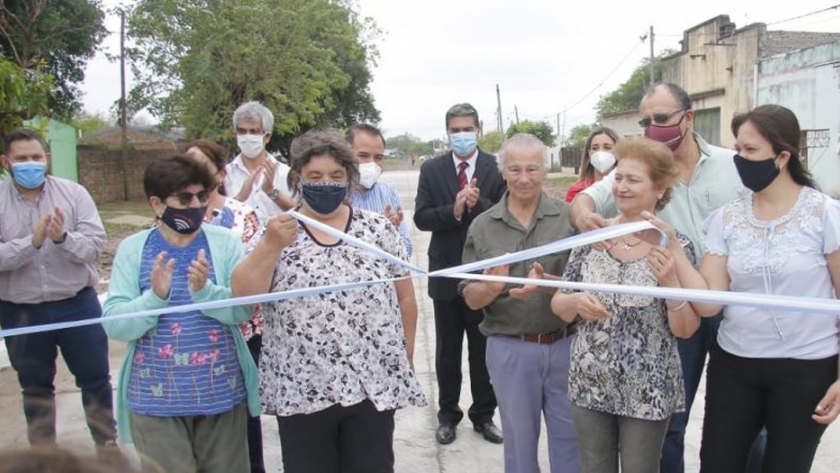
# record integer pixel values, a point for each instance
(186, 198)
(659, 118)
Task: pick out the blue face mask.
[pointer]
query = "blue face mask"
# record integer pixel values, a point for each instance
(464, 143)
(30, 174)
(324, 197)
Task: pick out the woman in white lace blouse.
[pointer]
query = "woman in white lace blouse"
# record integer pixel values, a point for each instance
(772, 368)
(625, 379)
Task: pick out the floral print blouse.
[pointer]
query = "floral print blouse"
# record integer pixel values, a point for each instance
(242, 219)
(626, 364)
(338, 347)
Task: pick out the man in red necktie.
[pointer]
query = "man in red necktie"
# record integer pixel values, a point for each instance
(453, 189)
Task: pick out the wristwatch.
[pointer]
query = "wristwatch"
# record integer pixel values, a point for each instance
(274, 194)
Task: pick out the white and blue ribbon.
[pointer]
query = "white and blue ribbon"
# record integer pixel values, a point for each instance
(467, 271)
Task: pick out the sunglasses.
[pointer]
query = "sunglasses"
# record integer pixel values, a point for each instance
(186, 198)
(659, 118)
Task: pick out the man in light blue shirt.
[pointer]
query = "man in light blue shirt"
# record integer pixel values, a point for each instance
(369, 150)
(708, 181)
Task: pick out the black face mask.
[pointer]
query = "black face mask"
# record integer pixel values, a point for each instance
(184, 221)
(324, 197)
(756, 175)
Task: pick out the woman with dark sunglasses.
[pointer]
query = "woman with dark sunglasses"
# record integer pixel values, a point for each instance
(625, 379)
(188, 381)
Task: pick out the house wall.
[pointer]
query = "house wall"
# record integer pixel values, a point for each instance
(101, 171)
(721, 69)
(808, 82)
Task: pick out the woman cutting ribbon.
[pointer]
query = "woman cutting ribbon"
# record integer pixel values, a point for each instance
(625, 379)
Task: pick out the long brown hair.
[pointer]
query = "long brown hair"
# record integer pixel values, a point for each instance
(586, 169)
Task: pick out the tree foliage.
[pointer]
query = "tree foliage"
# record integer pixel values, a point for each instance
(406, 145)
(541, 130)
(491, 141)
(87, 124)
(23, 95)
(307, 60)
(56, 37)
(629, 94)
(578, 135)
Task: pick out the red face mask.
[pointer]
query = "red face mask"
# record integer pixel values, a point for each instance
(671, 135)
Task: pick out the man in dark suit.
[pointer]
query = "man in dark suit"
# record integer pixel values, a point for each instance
(453, 189)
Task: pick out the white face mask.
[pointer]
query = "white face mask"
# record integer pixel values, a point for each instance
(250, 145)
(368, 174)
(602, 161)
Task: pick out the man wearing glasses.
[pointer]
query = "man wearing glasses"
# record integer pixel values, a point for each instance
(51, 237)
(708, 180)
(254, 176)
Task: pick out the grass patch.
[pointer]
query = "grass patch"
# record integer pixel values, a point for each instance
(562, 181)
(109, 210)
(117, 230)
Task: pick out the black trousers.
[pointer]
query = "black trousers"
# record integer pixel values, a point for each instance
(84, 349)
(255, 443)
(453, 319)
(745, 394)
(338, 439)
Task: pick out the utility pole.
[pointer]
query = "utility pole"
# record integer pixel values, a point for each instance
(559, 143)
(123, 108)
(499, 111)
(516, 111)
(652, 58)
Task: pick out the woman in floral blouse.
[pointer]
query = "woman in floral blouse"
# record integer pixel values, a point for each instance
(335, 366)
(625, 379)
(242, 219)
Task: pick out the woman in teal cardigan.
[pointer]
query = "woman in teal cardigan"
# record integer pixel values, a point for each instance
(188, 381)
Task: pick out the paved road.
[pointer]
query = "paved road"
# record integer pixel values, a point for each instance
(416, 450)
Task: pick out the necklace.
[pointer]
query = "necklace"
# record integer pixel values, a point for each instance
(627, 246)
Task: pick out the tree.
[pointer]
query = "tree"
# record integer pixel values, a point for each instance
(541, 130)
(87, 124)
(56, 37)
(629, 94)
(23, 95)
(578, 135)
(197, 60)
(491, 141)
(407, 144)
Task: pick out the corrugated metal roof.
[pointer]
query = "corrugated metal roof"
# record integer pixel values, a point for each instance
(780, 42)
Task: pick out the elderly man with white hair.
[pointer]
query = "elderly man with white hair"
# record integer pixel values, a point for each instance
(255, 176)
(527, 345)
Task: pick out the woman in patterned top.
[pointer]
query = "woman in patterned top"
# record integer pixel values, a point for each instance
(188, 382)
(336, 365)
(625, 379)
(771, 368)
(242, 219)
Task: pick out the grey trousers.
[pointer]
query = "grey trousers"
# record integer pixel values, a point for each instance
(531, 380)
(604, 438)
(190, 444)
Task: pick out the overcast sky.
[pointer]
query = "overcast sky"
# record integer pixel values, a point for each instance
(547, 56)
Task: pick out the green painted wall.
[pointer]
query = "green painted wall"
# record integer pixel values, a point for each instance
(61, 140)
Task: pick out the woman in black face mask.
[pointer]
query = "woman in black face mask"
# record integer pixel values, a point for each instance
(334, 366)
(771, 368)
(188, 379)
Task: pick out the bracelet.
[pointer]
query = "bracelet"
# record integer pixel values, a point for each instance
(674, 309)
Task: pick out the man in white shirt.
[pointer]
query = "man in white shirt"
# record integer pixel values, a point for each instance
(255, 176)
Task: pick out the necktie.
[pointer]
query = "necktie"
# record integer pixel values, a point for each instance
(462, 174)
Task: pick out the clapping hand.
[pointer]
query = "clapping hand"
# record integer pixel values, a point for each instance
(161, 277)
(394, 217)
(199, 271)
(536, 272)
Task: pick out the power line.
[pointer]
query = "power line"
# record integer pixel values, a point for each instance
(605, 78)
(803, 16)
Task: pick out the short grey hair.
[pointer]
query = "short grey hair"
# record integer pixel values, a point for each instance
(254, 110)
(462, 110)
(522, 140)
